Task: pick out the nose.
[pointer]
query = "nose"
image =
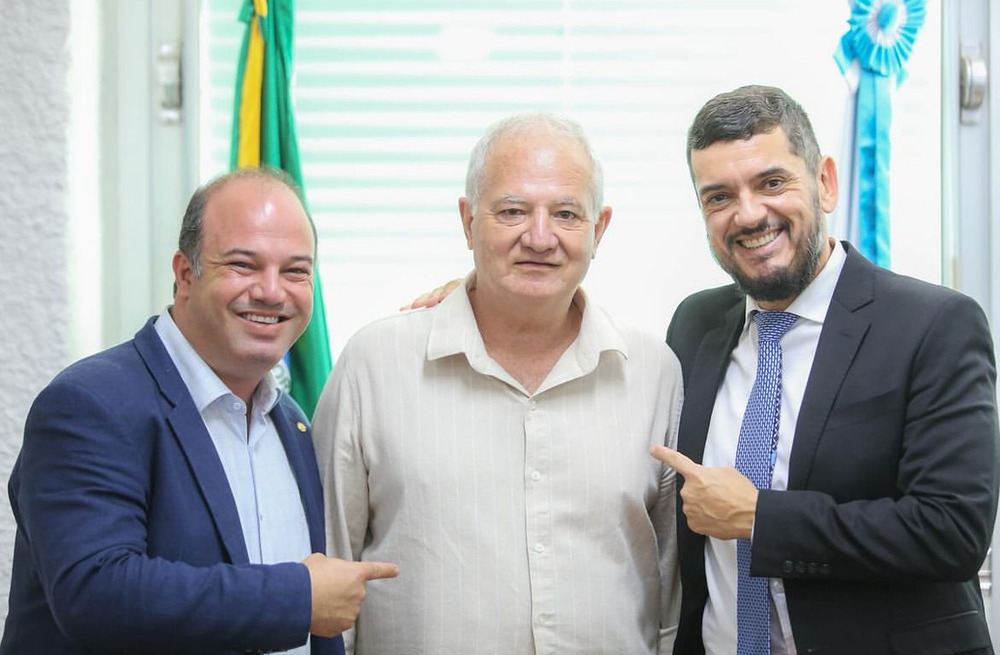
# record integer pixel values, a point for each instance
(266, 288)
(750, 211)
(539, 235)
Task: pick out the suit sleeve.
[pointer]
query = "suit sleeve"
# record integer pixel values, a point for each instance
(83, 501)
(940, 464)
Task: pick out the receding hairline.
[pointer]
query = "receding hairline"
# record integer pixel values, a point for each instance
(543, 124)
(256, 178)
(249, 177)
(550, 136)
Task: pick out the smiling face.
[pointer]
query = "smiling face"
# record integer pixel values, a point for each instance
(764, 214)
(533, 231)
(254, 295)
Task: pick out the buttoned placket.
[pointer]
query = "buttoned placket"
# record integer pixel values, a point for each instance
(538, 493)
(249, 434)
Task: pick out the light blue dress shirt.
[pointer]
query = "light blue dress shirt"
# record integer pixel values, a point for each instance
(256, 465)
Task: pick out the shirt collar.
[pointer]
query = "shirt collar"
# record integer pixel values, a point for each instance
(454, 331)
(814, 301)
(203, 384)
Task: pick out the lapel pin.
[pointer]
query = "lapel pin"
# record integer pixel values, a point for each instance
(301, 426)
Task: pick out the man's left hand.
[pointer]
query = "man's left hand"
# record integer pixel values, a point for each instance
(719, 501)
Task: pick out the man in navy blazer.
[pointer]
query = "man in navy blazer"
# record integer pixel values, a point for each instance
(139, 463)
(884, 489)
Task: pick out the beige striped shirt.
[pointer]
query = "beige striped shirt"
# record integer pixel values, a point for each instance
(521, 523)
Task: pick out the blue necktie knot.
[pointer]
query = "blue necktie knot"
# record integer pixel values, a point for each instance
(771, 326)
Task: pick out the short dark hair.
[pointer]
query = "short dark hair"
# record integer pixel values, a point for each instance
(751, 110)
(189, 241)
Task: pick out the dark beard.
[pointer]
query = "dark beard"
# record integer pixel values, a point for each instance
(789, 282)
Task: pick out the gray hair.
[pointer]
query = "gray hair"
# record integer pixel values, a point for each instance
(749, 111)
(190, 239)
(476, 174)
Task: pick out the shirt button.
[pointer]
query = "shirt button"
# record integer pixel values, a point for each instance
(539, 548)
(237, 406)
(536, 476)
(532, 405)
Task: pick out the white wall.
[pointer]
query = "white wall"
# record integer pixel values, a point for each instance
(34, 213)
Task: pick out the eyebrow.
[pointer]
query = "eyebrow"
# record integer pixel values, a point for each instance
(250, 253)
(774, 170)
(709, 188)
(513, 200)
(518, 200)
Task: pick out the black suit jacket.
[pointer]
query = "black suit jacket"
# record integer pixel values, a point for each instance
(893, 474)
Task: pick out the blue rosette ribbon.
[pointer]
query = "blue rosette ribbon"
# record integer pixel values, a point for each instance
(873, 53)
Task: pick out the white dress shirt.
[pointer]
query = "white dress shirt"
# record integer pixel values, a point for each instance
(256, 465)
(522, 523)
(798, 350)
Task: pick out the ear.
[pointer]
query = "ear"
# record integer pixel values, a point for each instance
(183, 272)
(827, 185)
(603, 220)
(466, 212)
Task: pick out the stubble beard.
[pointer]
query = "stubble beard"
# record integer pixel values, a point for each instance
(784, 283)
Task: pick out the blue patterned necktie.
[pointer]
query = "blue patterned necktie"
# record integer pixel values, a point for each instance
(755, 455)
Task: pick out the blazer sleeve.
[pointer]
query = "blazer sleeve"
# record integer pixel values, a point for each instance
(83, 504)
(939, 461)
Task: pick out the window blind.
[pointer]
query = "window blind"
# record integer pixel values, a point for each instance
(391, 95)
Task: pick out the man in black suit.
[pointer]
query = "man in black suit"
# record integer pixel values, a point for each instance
(883, 466)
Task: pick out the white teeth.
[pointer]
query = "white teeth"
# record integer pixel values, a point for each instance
(257, 318)
(760, 241)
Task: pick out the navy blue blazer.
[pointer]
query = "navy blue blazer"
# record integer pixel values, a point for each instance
(128, 537)
(892, 482)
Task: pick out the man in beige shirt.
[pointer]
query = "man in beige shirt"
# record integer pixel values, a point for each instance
(496, 446)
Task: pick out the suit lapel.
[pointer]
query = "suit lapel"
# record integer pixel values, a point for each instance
(704, 368)
(706, 373)
(195, 442)
(297, 440)
(844, 329)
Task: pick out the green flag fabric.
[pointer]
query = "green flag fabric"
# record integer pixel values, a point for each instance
(264, 135)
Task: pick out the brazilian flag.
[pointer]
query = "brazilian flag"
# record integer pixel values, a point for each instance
(264, 135)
